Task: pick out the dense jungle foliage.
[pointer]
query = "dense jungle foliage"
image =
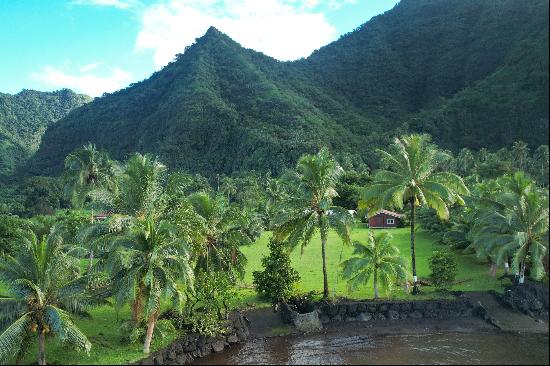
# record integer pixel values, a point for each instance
(23, 119)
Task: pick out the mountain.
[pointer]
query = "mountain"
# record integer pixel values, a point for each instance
(473, 73)
(23, 119)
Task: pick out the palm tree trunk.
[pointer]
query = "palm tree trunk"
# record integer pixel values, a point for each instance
(41, 347)
(506, 267)
(91, 263)
(415, 290)
(137, 306)
(522, 273)
(376, 284)
(149, 335)
(91, 259)
(325, 277)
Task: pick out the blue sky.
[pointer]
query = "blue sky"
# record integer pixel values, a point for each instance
(96, 46)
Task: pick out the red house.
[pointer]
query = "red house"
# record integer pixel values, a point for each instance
(385, 219)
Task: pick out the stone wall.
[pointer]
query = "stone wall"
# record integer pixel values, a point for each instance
(389, 310)
(531, 298)
(192, 346)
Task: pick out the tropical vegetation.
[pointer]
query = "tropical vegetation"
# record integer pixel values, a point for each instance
(175, 252)
(377, 258)
(414, 175)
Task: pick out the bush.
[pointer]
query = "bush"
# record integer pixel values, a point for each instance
(207, 307)
(276, 282)
(444, 269)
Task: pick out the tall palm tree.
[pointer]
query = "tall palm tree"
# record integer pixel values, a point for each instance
(87, 170)
(310, 208)
(411, 177)
(517, 225)
(138, 189)
(378, 258)
(45, 289)
(147, 263)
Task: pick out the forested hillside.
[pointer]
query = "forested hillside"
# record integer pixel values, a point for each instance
(23, 119)
(473, 73)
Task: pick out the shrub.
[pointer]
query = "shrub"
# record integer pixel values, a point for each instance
(444, 269)
(207, 307)
(276, 282)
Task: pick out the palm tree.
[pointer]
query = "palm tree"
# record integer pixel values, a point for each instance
(517, 225)
(149, 262)
(46, 290)
(412, 177)
(229, 187)
(140, 186)
(219, 229)
(310, 208)
(87, 170)
(377, 258)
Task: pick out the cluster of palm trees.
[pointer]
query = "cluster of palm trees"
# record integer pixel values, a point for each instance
(146, 252)
(511, 225)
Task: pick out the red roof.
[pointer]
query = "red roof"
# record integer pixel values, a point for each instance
(390, 213)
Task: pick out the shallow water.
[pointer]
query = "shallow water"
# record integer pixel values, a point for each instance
(434, 348)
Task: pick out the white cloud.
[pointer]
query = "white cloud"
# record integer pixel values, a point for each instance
(90, 67)
(120, 4)
(84, 81)
(284, 29)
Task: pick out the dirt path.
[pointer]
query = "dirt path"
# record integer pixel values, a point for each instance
(507, 319)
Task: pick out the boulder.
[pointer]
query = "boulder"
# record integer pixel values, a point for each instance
(232, 338)
(324, 319)
(308, 322)
(392, 315)
(182, 359)
(159, 360)
(365, 317)
(190, 347)
(218, 346)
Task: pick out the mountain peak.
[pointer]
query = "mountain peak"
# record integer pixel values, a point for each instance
(213, 30)
(214, 36)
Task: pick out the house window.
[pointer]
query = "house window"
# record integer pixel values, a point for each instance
(390, 221)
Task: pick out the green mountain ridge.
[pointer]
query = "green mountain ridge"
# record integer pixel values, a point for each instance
(23, 119)
(473, 73)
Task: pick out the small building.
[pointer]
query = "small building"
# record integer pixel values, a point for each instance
(102, 216)
(385, 219)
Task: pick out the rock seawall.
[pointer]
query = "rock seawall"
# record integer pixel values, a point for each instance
(192, 346)
(364, 311)
(530, 298)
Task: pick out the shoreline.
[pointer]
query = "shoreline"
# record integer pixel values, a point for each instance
(359, 342)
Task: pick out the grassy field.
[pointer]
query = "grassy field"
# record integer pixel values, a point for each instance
(102, 327)
(472, 274)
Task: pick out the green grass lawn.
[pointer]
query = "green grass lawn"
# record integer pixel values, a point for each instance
(102, 327)
(472, 274)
